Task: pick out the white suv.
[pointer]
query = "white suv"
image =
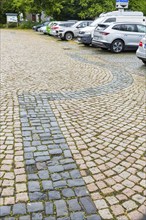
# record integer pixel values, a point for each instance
(118, 37)
(59, 25)
(141, 51)
(69, 33)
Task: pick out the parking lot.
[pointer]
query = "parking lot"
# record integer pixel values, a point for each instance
(73, 131)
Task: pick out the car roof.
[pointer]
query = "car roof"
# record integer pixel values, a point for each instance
(62, 22)
(128, 22)
(85, 20)
(124, 22)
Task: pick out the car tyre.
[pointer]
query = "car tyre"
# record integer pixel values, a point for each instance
(68, 36)
(117, 46)
(105, 49)
(87, 45)
(144, 62)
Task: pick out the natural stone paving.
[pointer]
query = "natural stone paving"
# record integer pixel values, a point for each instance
(73, 131)
(52, 173)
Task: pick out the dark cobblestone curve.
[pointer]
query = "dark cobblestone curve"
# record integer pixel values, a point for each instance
(55, 186)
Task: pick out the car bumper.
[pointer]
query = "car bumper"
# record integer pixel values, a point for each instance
(61, 35)
(100, 44)
(85, 39)
(141, 55)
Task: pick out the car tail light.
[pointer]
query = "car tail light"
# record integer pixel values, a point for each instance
(140, 44)
(104, 33)
(55, 27)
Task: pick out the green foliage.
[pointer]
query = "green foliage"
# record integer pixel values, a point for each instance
(138, 5)
(2, 25)
(12, 25)
(65, 9)
(26, 25)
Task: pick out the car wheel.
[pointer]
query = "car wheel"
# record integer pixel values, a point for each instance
(144, 62)
(87, 45)
(102, 48)
(68, 36)
(117, 46)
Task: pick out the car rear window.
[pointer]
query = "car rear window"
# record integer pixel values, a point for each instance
(117, 27)
(101, 27)
(54, 24)
(125, 27)
(141, 28)
(68, 24)
(64, 24)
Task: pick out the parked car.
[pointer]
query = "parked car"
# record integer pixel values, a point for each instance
(118, 37)
(48, 27)
(58, 25)
(141, 51)
(43, 29)
(85, 36)
(36, 27)
(68, 33)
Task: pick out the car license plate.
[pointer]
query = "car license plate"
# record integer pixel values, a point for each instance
(145, 46)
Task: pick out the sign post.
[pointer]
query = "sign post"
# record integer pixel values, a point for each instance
(12, 18)
(121, 4)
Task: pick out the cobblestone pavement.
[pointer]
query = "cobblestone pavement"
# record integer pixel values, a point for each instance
(72, 131)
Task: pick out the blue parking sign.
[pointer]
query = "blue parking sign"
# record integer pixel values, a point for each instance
(122, 3)
(125, 1)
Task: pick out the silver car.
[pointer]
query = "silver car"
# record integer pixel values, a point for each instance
(58, 26)
(141, 51)
(69, 33)
(118, 37)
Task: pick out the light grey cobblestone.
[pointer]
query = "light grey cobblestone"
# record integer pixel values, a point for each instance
(5, 210)
(49, 208)
(19, 209)
(61, 208)
(26, 217)
(35, 207)
(37, 216)
(74, 205)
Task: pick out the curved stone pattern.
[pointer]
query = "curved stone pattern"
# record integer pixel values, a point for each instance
(80, 109)
(120, 80)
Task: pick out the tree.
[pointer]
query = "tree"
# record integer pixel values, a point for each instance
(92, 8)
(65, 9)
(135, 5)
(5, 7)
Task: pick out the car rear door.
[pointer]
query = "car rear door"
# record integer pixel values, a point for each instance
(141, 29)
(131, 35)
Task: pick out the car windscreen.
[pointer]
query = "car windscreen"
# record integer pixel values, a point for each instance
(54, 24)
(76, 24)
(97, 21)
(66, 24)
(46, 23)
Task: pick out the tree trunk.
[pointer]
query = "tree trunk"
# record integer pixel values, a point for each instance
(40, 19)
